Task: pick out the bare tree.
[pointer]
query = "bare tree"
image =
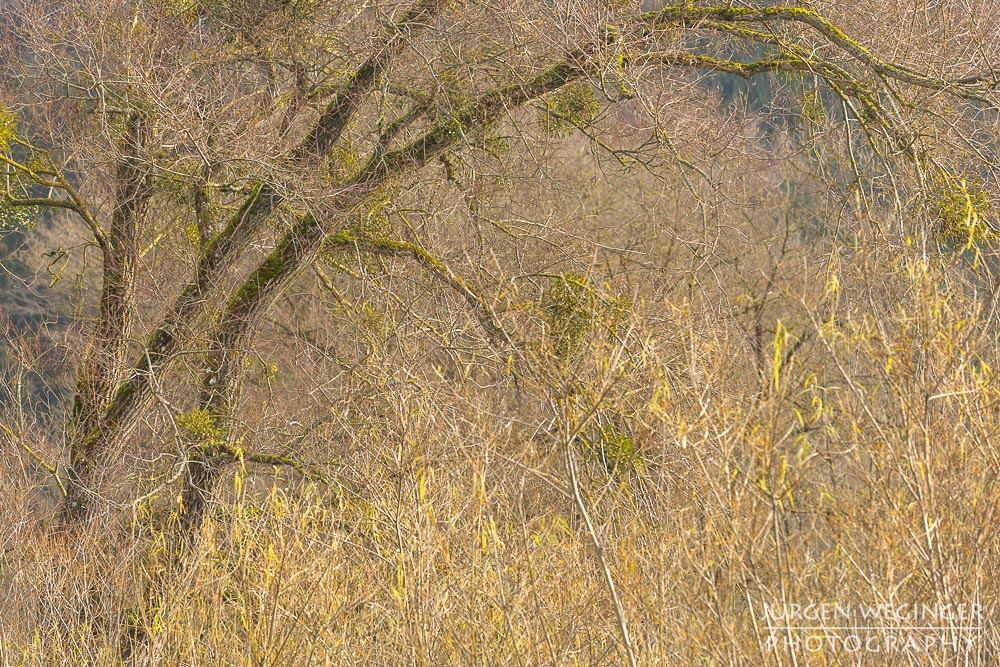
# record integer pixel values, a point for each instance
(710, 284)
(279, 122)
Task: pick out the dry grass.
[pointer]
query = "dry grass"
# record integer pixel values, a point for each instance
(747, 372)
(859, 467)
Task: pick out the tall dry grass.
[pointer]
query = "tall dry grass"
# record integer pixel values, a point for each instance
(662, 461)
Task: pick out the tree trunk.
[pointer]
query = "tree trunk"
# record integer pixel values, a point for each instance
(104, 362)
(115, 418)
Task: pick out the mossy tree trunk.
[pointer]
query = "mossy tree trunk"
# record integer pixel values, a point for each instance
(113, 396)
(112, 421)
(105, 362)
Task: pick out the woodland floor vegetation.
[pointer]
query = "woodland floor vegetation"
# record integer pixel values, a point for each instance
(533, 333)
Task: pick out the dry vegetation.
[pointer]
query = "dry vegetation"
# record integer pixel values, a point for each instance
(589, 385)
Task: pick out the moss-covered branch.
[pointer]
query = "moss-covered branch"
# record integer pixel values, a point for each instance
(846, 84)
(975, 87)
(221, 253)
(47, 175)
(744, 70)
(487, 318)
(232, 454)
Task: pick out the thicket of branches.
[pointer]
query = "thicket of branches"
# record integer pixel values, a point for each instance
(440, 332)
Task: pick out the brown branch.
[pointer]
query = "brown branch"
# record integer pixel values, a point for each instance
(237, 454)
(342, 108)
(390, 133)
(970, 87)
(17, 440)
(487, 319)
(489, 108)
(221, 253)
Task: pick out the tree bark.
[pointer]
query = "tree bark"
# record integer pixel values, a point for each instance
(105, 360)
(298, 248)
(119, 415)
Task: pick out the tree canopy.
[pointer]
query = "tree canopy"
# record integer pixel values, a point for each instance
(511, 178)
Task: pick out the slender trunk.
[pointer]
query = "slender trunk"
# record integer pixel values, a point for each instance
(299, 246)
(221, 387)
(105, 361)
(203, 474)
(119, 416)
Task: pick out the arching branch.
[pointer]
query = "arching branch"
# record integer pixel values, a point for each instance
(392, 248)
(134, 394)
(973, 87)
